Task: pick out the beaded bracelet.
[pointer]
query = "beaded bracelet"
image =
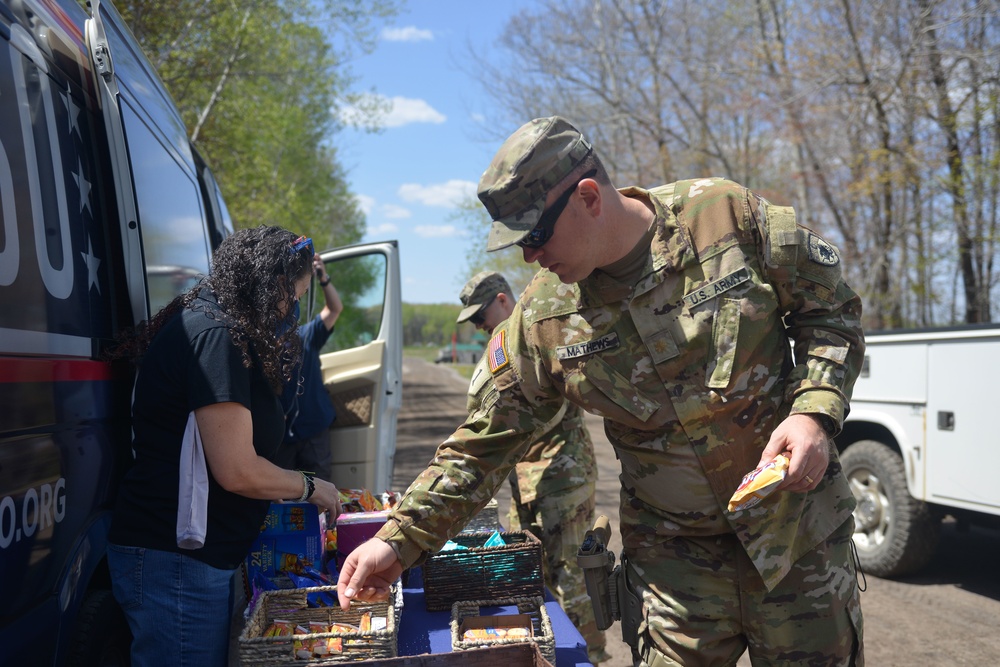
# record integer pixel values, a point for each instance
(308, 487)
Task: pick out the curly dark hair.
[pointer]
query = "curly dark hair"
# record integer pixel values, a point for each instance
(253, 275)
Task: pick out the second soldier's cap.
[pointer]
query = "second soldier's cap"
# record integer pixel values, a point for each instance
(481, 289)
(533, 160)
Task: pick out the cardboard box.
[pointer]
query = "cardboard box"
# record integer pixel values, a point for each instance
(355, 528)
(292, 538)
(293, 519)
(530, 615)
(272, 555)
(521, 623)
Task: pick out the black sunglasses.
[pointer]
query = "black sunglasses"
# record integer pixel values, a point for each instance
(480, 316)
(542, 232)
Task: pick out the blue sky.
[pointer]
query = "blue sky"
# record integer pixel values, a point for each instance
(431, 152)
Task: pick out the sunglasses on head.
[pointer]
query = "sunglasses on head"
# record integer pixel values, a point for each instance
(300, 243)
(542, 232)
(480, 317)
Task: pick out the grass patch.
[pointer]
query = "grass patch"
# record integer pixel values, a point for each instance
(430, 354)
(425, 352)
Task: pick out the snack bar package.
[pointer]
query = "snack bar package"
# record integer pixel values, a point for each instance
(759, 484)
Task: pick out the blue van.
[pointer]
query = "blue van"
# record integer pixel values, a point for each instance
(107, 213)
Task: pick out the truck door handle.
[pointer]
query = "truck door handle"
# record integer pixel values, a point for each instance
(946, 421)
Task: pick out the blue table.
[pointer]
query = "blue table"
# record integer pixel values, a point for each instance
(423, 631)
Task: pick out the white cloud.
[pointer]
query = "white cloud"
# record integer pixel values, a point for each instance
(398, 111)
(446, 195)
(436, 231)
(365, 203)
(406, 110)
(386, 228)
(395, 212)
(408, 34)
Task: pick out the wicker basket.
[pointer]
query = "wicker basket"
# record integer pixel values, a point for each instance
(256, 649)
(524, 654)
(484, 573)
(544, 638)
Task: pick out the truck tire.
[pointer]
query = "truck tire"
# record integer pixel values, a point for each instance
(895, 534)
(101, 637)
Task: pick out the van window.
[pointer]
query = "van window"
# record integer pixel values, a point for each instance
(360, 282)
(171, 221)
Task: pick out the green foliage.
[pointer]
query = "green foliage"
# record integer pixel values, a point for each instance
(360, 282)
(433, 323)
(257, 84)
(425, 352)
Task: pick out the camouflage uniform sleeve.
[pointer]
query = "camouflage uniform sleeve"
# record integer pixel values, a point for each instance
(822, 314)
(470, 466)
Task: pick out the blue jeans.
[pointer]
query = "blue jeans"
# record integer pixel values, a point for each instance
(178, 608)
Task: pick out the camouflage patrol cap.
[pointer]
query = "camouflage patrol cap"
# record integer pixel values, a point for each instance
(481, 289)
(533, 160)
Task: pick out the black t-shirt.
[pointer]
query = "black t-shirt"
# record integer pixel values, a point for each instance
(192, 362)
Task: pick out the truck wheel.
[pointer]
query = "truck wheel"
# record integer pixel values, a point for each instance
(101, 636)
(895, 534)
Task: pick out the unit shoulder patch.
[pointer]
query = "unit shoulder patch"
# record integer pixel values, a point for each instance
(496, 352)
(822, 252)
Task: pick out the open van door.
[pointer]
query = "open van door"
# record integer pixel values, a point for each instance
(362, 363)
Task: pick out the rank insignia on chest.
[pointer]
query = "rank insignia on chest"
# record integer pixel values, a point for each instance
(496, 352)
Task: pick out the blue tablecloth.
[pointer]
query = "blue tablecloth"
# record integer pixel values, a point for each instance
(423, 631)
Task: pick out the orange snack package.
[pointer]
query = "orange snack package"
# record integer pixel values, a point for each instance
(476, 634)
(280, 628)
(302, 649)
(759, 484)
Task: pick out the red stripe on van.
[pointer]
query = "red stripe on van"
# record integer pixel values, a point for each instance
(53, 370)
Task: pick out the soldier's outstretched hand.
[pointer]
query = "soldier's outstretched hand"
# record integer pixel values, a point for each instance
(368, 573)
(804, 442)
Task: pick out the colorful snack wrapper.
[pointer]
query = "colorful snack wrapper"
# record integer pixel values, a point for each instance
(474, 634)
(342, 627)
(495, 540)
(759, 484)
(280, 628)
(302, 649)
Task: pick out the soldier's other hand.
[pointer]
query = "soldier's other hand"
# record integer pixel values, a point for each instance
(368, 573)
(805, 443)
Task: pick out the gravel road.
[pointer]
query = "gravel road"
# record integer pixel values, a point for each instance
(947, 615)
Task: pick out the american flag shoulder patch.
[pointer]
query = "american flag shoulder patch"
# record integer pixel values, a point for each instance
(497, 351)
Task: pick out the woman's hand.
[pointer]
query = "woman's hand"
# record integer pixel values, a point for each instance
(326, 496)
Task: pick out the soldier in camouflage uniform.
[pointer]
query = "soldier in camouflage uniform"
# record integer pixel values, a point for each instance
(552, 487)
(712, 333)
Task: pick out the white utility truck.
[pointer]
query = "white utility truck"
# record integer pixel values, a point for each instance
(918, 445)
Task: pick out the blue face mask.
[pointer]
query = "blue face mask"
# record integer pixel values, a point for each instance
(289, 320)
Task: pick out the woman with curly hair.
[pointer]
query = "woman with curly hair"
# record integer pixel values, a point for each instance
(211, 364)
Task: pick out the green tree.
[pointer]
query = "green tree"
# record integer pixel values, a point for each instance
(433, 324)
(258, 84)
(879, 121)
